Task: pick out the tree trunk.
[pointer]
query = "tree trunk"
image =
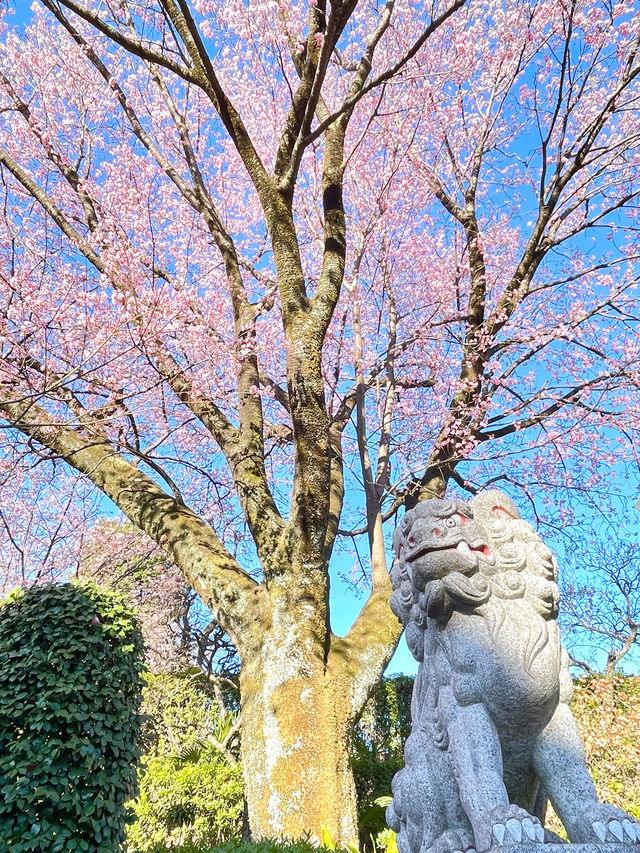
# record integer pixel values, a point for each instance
(296, 729)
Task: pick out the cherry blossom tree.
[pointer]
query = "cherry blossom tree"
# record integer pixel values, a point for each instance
(44, 512)
(178, 631)
(257, 256)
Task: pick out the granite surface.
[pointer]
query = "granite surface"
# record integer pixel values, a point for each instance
(476, 589)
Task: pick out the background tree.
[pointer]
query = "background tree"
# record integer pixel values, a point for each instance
(44, 515)
(601, 604)
(188, 323)
(378, 753)
(179, 631)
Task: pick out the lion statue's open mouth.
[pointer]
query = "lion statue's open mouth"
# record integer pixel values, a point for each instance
(493, 737)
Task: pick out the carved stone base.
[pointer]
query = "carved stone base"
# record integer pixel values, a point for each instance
(567, 848)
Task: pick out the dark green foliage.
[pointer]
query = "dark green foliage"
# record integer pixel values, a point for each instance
(70, 685)
(378, 745)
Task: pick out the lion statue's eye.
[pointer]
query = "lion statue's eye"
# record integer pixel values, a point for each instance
(450, 522)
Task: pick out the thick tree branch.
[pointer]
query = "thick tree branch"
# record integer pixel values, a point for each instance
(191, 544)
(351, 100)
(136, 47)
(362, 655)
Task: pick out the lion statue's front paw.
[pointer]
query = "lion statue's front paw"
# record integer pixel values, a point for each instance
(507, 824)
(603, 823)
(453, 841)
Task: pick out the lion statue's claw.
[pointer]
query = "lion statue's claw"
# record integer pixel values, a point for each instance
(509, 824)
(605, 824)
(453, 841)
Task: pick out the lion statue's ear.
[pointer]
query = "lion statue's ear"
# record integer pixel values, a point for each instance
(493, 504)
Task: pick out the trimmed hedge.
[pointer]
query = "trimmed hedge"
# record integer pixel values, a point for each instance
(71, 657)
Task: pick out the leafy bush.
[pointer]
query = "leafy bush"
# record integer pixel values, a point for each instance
(608, 715)
(179, 708)
(191, 793)
(378, 745)
(186, 805)
(70, 687)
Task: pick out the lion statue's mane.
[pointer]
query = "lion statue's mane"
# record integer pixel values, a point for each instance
(517, 565)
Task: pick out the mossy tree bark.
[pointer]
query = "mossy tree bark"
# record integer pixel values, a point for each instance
(298, 709)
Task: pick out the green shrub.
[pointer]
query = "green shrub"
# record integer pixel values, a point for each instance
(70, 686)
(178, 708)
(191, 795)
(377, 754)
(186, 805)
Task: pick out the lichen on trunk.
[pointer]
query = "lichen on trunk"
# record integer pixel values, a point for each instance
(296, 728)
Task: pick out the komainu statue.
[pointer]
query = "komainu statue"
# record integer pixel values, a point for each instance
(493, 737)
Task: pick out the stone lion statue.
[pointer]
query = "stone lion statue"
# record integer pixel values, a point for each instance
(493, 736)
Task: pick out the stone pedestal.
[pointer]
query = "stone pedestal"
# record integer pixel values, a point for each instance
(566, 848)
